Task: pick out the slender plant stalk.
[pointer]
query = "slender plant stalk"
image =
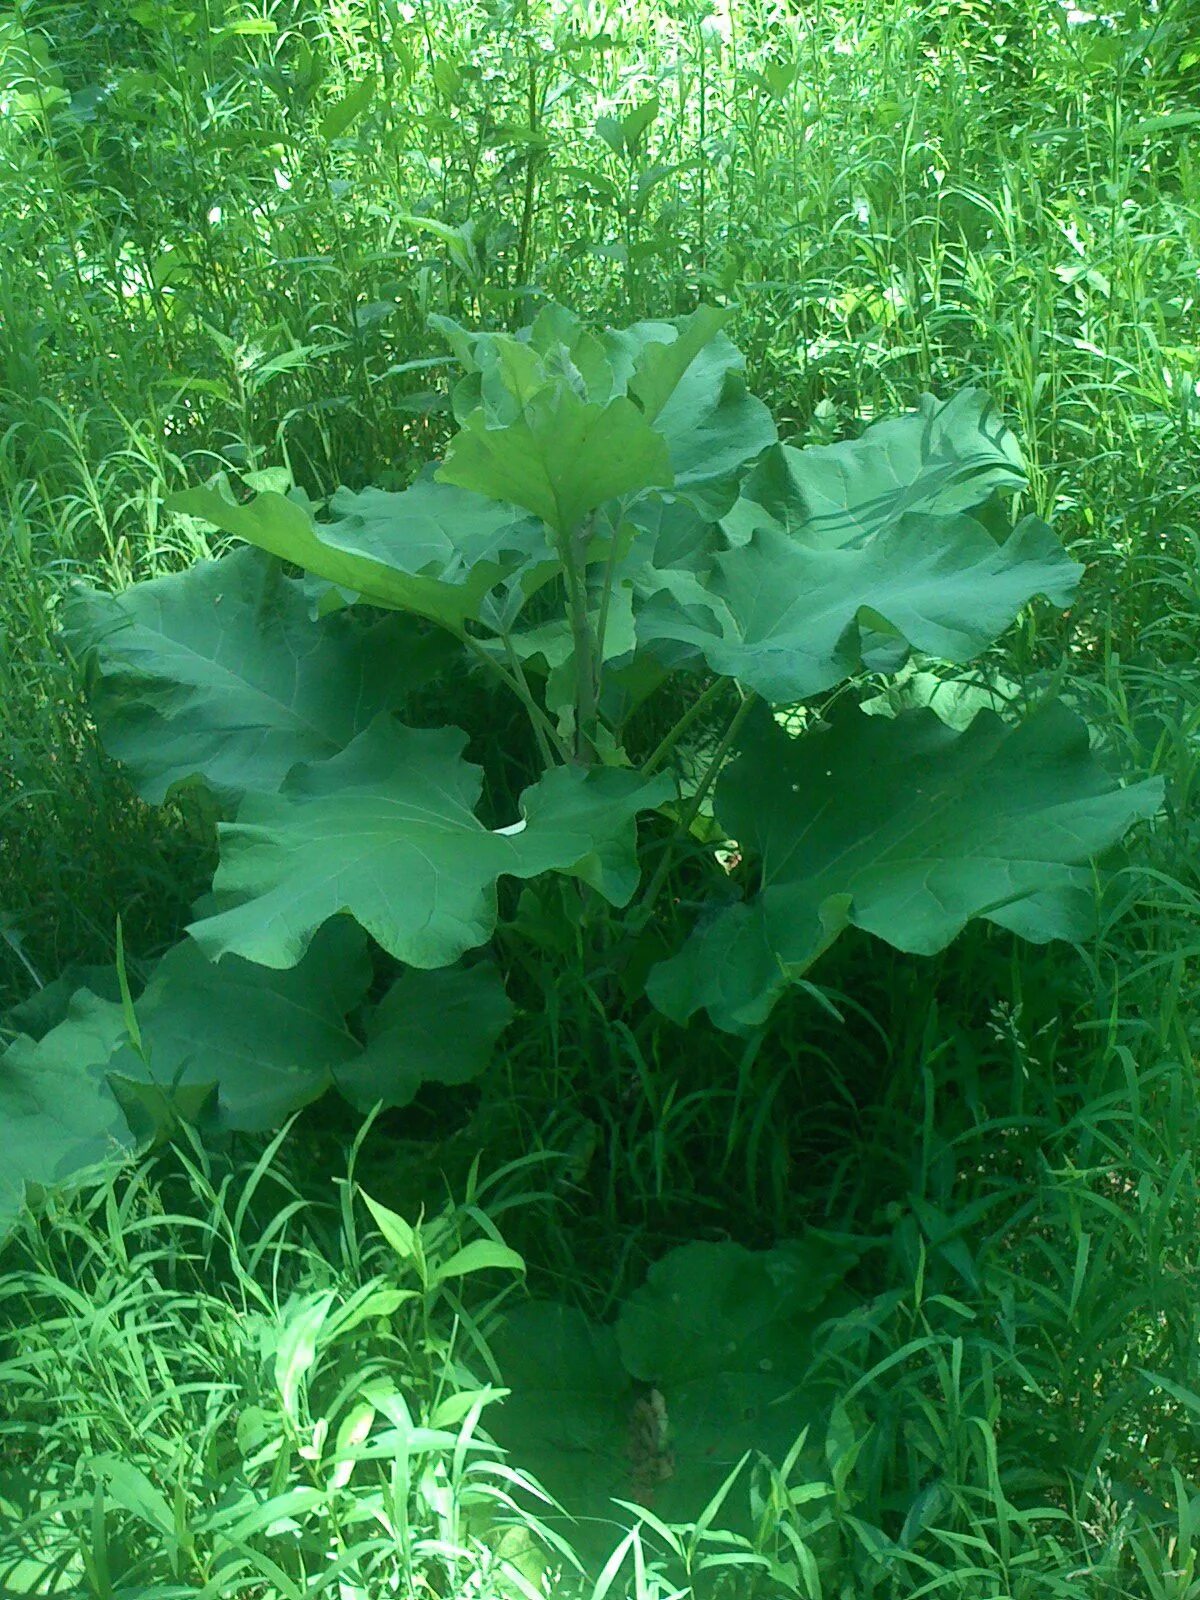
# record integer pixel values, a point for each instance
(690, 717)
(691, 810)
(573, 547)
(544, 730)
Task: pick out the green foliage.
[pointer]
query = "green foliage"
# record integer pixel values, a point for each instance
(223, 233)
(386, 831)
(705, 1365)
(254, 1398)
(59, 1117)
(221, 675)
(907, 829)
(622, 446)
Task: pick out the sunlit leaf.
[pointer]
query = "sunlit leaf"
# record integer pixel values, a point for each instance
(430, 551)
(387, 832)
(561, 459)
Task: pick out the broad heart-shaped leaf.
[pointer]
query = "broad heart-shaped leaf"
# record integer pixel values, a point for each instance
(905, 828)
(713, 426)
(56, 1111)
(387, 832)
(719, 1341)
(724, 1334)
(941, 459)
(561, 459)
(789, 618)
(218, 674)
(267, 1042)
(431, 550)
(430, 1027)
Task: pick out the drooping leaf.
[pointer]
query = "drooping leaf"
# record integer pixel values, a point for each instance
(710, 421)
(905, 828)
(430, 1027)
(713, 426)
(435, 527)
(56, 1112)
(940, 459)
(661, 365)
(407, 560)
(790, 620)
(264, 1042)
(561, 458)
(387, 832)
(582, 822)
(218, 673)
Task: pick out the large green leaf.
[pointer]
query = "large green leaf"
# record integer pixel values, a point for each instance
(435, 527)
(242, 1046)
(790, 620)
(713, 426)
(561, 458)
(387, 832)
(719, 1343)
(430, 1027)
(941, 459)
(569, 1415)
(48, 1006)
(218, 673)
(711, 423)
(724, 1335)
(661, 366)
(432, 550)
(656, 404)
(56, 1111)
(905, 828)
(261, 1042)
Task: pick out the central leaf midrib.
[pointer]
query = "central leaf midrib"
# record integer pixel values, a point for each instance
(191, 653)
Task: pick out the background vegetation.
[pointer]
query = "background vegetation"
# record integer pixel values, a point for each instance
(224, 227)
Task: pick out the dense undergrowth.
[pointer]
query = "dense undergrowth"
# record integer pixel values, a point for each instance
(224, 230)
